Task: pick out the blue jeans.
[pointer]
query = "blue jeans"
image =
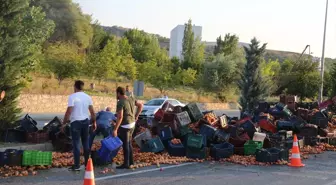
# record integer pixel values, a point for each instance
(80, 131)
(106, 131)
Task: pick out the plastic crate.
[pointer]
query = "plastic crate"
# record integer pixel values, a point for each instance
(271, 155)
(303, 113)
(263, 107)
(267, 125)
(207, 131)
(29, 124)
(309, 130)
(238, 150)
(37, 137)
(62, 143)
(168, 117)
(220, 151)
(195, 141)
(250, 147)
(249, 127)
(110, 146)
(194, 111)
(322, 132)
(3, 158)
(143, 137)
(166, 134)
(310, 141)
(14, 157)
(239, 141)
(332, 141)
(176, 150)
(221, 136)
(33, 158)
(154, 145)
(53, 124)
(284, 125)
(223, 121)
(97, 161)
(289, 142)
(280, 106)
(196, 154)
(185, 131)
(183, 118)
(14, 136)
(321, 122)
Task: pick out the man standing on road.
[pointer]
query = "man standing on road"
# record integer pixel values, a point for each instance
(104, 119)
(128, 93)
(126, 118)
(79, 106)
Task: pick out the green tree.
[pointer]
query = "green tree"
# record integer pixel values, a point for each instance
(270, 71)
(192, 49)
(252, 86)
(72, 25)
(227, 46)
(99, 39)
(185, 77)
(333, 80)
(302, 79)
(23, 30)
(145, 47)
(63, 60)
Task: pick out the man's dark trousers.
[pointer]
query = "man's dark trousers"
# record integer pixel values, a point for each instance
(80, 131)
(125, 136)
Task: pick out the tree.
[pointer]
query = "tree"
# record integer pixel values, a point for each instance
(72, 25)
(63, 60)
(99, 39)
(302, 79)
(192, 49)
(270, 71)
(226, 46)
(145, 47)
(252, 86)
(185, 77)
(333, 80)
(23, 30)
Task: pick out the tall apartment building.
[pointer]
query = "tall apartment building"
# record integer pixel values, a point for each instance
(176, 39)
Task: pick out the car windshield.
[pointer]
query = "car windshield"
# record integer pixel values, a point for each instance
(156, 102)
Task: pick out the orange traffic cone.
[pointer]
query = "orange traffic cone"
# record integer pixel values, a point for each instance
(89, 175)
(295, 160)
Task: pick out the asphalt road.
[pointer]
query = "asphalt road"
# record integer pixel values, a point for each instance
(319, 170)
(45, 118)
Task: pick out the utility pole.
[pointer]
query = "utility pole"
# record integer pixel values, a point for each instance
(320, 98)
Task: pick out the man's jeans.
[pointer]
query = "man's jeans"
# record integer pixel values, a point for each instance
(105, 130)
(80, 131)
(125, 136)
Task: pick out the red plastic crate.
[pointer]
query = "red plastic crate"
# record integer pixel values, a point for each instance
(267, 125)
(37, 137)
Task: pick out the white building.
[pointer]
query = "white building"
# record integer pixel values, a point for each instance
(176, 39)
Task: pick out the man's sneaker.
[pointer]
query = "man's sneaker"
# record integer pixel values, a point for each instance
(74, 168)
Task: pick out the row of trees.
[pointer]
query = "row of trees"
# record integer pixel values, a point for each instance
(56, 38)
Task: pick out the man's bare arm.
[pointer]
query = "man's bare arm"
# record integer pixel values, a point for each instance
(119, 119)
(67, 115)
(139, 109)
(93, 117)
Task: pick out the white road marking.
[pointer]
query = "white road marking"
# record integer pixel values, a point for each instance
(302, 176)
(142, 171)
(331, 183)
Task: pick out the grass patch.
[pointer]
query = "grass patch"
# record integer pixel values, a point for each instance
(50, 86)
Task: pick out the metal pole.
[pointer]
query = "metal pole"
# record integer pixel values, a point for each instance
(320, 98)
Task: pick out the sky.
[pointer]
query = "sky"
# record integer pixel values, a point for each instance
(287, 25)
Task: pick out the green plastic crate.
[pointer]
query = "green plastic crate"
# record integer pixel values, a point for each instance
(33, 158)
(196, 154)
(250, 147)
(185, 130)
(195, 141)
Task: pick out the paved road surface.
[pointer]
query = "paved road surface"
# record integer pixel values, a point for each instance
(45, 118)
(319, 170)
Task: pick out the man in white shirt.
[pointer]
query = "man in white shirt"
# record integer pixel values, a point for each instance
(79, 106)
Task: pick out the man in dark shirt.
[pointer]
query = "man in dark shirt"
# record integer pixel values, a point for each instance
(104, 121)
(126, 118)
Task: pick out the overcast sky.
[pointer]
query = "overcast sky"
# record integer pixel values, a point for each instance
(287, 25)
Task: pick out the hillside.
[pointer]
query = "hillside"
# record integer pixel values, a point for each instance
(209, 46)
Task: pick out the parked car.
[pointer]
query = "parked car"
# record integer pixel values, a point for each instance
(153, 105)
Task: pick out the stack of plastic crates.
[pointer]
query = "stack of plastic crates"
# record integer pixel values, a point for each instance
(109, 149)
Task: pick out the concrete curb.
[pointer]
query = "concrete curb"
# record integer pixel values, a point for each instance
(25, 146)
